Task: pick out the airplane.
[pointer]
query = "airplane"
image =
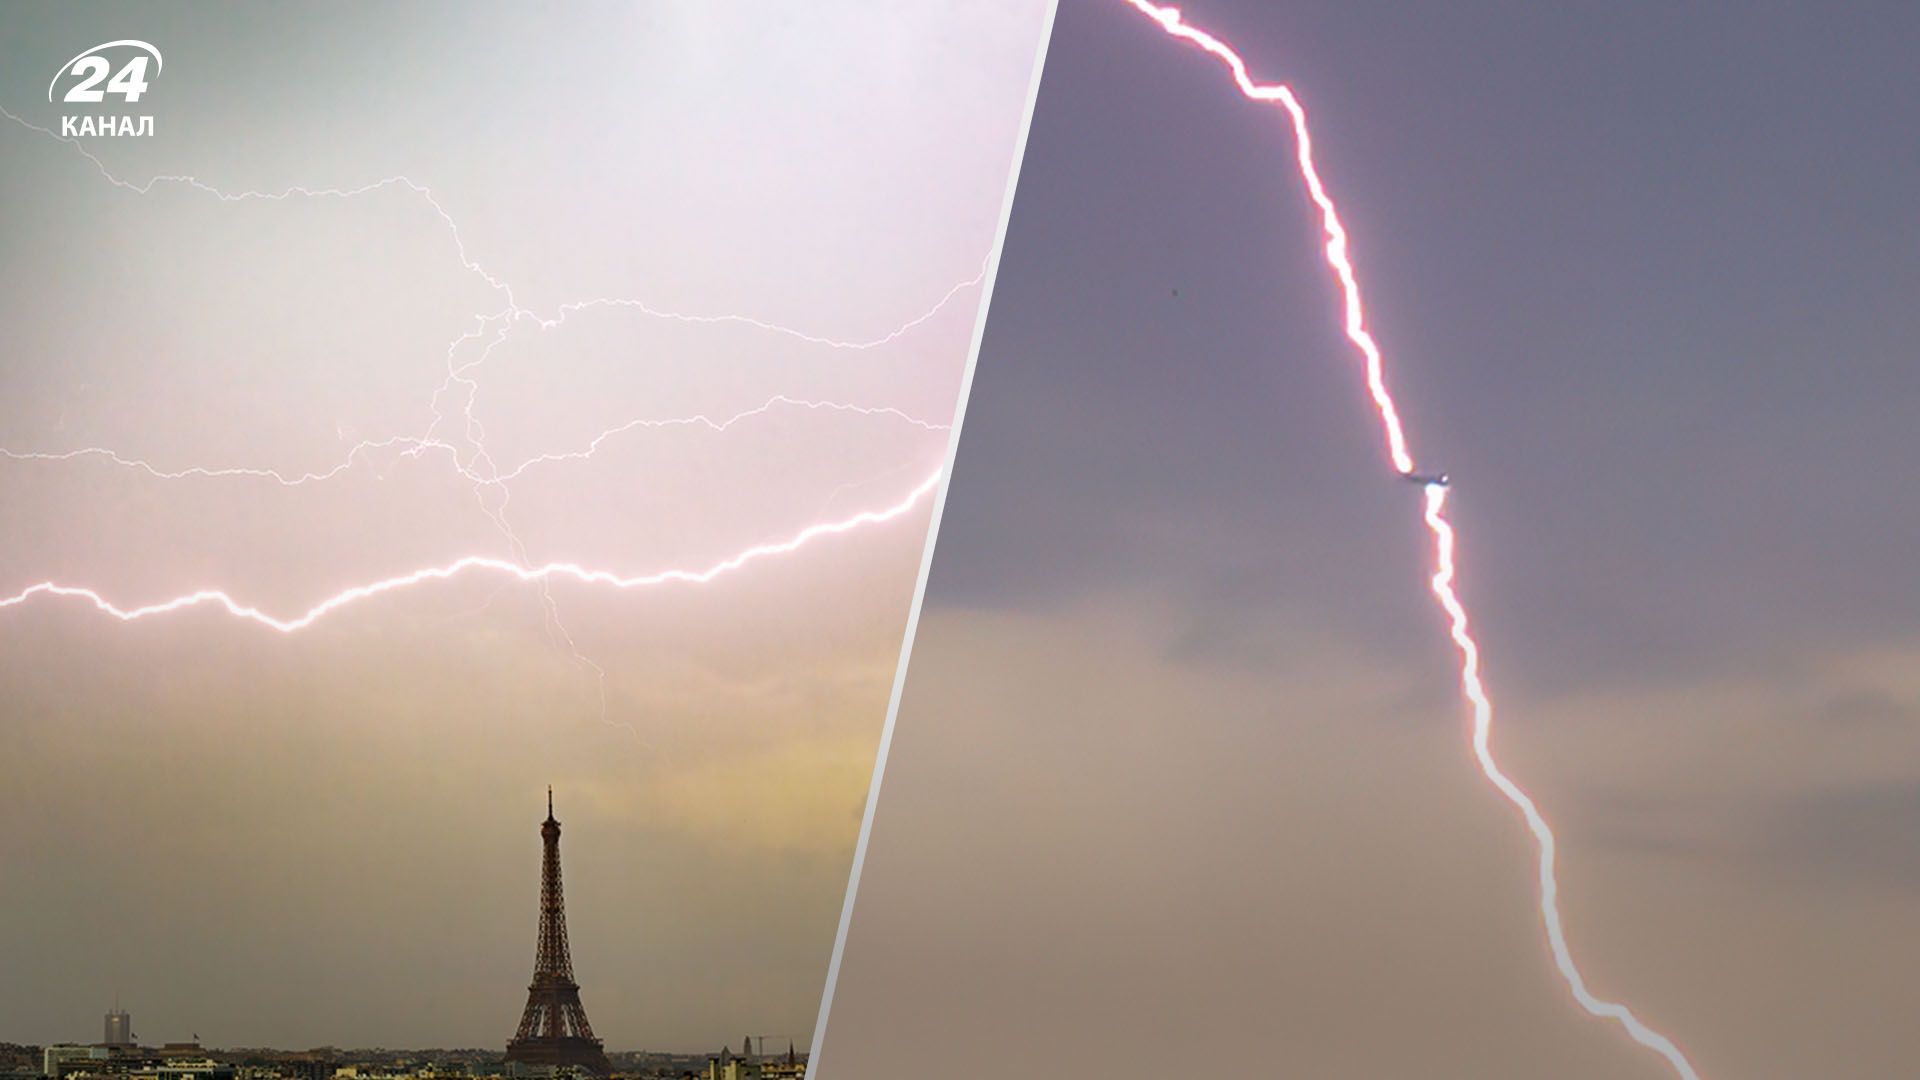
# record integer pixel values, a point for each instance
(1425, 479)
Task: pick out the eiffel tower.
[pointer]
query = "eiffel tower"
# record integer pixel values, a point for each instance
(554, 1030)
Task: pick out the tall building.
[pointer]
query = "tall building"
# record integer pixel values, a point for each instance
(554, 1029)
(119, 1028)
(728, 1067)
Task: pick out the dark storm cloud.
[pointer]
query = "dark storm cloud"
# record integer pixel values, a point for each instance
(1868, 707)
(1638, 276)
(1849, 835)
(1865, 832)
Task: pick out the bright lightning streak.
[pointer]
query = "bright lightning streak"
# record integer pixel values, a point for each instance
(542, 573)
(1443, 534)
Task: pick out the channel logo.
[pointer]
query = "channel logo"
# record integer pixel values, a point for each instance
(116, 69)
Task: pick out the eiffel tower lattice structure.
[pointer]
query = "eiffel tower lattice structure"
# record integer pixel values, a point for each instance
(554, 1029)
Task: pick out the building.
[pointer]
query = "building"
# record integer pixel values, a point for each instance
(749, 1065)
(104, 1067)
(307, 1067)
(725, 1066)
(554, 1030)
(791, 1067)
(63, 1058)
(119, 1028)
(194, 1069)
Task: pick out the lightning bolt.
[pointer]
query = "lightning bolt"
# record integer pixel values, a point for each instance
(542, 573)
(1474, 690)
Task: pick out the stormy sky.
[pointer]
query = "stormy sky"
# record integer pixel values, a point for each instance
(1180, 780)
(331, 837)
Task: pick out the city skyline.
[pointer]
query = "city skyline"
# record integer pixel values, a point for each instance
(191, 1061)
(553, 1004)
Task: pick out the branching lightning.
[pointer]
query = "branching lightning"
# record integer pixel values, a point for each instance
(414, 446)
(1442, 530)
(512, 311)
(469, 456)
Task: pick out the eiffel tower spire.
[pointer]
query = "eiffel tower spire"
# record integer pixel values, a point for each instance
(554, 1028)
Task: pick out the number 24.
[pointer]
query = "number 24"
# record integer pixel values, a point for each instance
(129, 82)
